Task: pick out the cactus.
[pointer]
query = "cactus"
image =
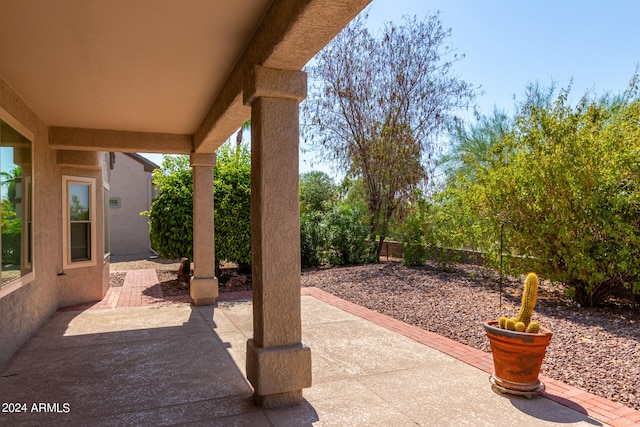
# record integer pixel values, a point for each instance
(529, 297)
(533, 328)
(523, 322)
(510, 325)
(502, 321)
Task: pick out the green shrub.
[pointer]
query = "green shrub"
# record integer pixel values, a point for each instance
(171, 213)
(414, 242)
(317, 192)
(564, 183)
(347, 234)
(232, 202)
(312, 239)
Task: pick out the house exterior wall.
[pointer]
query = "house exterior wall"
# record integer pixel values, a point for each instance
(84, 284)
(131, 184)
(25, 308)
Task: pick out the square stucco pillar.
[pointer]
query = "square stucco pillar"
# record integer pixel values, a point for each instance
(278, 363)
(204, 284)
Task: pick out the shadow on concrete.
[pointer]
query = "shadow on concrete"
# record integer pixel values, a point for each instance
(137, 366)
(537, 407)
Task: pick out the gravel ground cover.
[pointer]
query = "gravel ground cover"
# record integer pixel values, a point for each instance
(596, 349)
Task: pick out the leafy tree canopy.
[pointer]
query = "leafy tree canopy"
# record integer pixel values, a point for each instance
(171, 213)
(566, 179)
(317, 191)
(379, 105)
(232, 201)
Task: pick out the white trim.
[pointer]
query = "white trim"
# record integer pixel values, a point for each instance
(16, 284)
(66, 232)
(26, 243)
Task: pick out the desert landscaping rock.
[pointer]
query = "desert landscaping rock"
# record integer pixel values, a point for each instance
(597, 350)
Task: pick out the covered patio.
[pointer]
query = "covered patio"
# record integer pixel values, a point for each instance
(166, 363)
(81, 79)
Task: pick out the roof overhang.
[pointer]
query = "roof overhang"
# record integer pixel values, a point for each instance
(154, 75)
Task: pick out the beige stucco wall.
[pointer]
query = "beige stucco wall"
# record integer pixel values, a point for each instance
(24, 310)
(132, 185)
(83, 284)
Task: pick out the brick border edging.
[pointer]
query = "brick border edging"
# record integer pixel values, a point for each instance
(599, 408)
(596, 407)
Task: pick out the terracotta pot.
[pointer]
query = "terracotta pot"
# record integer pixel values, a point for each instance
(517, 357)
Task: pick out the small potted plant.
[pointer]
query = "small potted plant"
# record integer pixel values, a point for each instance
(519, 345)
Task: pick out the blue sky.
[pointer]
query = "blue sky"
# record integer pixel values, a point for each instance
(508, 44)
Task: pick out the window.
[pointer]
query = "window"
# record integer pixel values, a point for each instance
(79, 221)
(114, 202)
(15, 202)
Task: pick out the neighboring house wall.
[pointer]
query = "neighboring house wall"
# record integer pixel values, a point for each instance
(130, 192)
(26, 303)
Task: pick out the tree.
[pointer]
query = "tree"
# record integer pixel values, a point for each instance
(380, 105)
(333, 230)
(470, 144)
(567, 179)
(317, 191)
(171, 213)
(232, 201)
(245, 126)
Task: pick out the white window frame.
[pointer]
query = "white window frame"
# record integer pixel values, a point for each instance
(28, 231)
(67, 180)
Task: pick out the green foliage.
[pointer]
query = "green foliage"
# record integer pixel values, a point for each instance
(11, 223)
(452, 221)
(318, 192)
(11, 234)
(566, 180)
(331, 232)
(379, 107)
(313, 238)
(414, 241)
(171, 213)
(347, 234)
(471, 143)
(232, 201)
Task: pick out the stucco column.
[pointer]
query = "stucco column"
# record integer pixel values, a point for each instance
(204, 284)
(278, 364)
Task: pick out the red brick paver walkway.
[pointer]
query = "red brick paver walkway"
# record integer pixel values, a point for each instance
(141, 288)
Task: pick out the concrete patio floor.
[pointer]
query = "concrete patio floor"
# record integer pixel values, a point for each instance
(173, 363)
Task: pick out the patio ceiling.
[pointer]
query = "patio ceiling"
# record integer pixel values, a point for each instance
(145, 70)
